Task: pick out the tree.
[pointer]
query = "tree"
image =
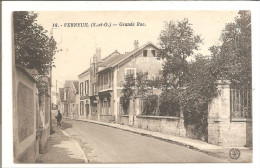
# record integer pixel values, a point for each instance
(199, 92)
(127, 92)
(233, 58)
(177, 42)
(33, 48)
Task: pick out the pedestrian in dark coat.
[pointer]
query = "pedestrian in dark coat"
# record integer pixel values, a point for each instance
(58, 117)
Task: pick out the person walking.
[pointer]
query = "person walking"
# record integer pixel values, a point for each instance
(58, 118)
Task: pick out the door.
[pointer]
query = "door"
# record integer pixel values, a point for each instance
(87, 110)
(66, 110)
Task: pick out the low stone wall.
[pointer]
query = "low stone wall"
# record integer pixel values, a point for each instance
(124, 120)
(192, 132)
(168, 125)
(107, 118)
(94, 117)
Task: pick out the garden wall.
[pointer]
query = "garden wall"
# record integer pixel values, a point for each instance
(124, 120)
(168, 125)
(107, 118)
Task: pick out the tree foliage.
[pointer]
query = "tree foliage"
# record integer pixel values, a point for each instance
(127, 92)
(191, 86)
(233, 58)
(150, 105)
(169, 103)
(199, 91)
(33, 48)
(177, 42)
(138, 86)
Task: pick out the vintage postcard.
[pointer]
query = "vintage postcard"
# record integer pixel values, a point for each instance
(132, 86)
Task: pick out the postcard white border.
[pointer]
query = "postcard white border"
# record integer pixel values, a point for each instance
(8, 7)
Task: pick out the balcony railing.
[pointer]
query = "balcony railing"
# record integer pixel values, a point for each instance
(106, 86)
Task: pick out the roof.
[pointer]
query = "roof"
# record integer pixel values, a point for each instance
(68, 82)
(116, 59)
(85, 71)
(76, 85)
(105, 61)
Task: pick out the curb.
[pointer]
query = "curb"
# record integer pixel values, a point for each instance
(66, 134)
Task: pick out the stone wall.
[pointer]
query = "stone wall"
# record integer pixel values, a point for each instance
(24, 118)
(94, 117)
(168, 125)
(124, 120)
(107, 118)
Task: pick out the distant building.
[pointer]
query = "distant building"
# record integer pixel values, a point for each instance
(68, 95)
(84, 93)
(73, 99)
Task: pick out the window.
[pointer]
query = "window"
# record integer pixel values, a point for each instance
(81, 108)
(65, 95)
(130, 71)
(94, 89)
(86, 87)
(153, 52)
(144, 53)
(81, 88)
(101, 81)
(109, 103)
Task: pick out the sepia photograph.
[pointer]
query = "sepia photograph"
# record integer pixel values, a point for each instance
(132, 87)
(130, 84)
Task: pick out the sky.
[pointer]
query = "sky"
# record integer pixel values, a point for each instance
(78, 44)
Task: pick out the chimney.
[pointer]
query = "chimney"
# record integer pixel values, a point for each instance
(98, 54)
(94, 58)
(136, 44)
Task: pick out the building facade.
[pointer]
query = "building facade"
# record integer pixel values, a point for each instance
(68, 97)
(107, 76)
(84, 93)
(73, 99)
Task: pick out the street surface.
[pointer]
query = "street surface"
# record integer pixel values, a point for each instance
(103, 144)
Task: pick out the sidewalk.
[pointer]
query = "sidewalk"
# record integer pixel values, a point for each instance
(61, 148)
(213, 150)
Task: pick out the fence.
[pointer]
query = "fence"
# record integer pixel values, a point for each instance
(240, 103)
(157, 106)
(150, 105)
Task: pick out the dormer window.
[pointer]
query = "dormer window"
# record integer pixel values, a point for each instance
(144, 53)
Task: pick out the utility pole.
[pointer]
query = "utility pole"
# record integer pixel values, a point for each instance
(50, 87)
(56, 95)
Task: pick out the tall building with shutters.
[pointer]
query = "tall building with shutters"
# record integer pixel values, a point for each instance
(102, 83)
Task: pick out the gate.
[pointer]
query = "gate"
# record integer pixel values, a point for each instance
(240, 103)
